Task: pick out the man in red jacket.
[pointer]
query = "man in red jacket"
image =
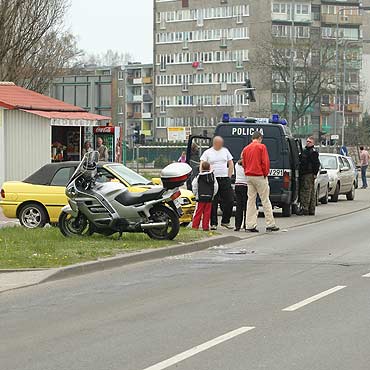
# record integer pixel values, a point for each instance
(256, 163)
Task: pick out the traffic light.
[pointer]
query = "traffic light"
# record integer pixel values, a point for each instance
(249, 93)
(136, 135)
(142, 139)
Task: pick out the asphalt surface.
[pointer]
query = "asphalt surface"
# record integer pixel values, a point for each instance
(291, 300)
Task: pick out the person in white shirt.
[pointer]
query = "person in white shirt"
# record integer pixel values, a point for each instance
(241, 195)
(222, 164)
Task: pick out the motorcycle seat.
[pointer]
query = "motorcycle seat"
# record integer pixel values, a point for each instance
(127, 198)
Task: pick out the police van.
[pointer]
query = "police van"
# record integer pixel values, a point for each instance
(283, 149)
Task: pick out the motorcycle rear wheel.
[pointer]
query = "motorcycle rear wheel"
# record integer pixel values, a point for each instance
(73, 226)
(162, 213)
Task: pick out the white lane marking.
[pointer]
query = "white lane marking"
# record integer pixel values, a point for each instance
(314, 298)
(366, 275)
(200, 348)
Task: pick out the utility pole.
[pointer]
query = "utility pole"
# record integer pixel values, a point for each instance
(291, 85)
(336, 70)
(344, 91)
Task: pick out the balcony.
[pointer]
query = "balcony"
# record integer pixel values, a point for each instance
(137, 115)
(326, 109)
(326, 128)
(298, 18)
(137, 81)
(147, 115)
(137, 98)
(130, 115)
(147, 98)
(354, 20)
(304, 130)
(147, 80)
(354, 108)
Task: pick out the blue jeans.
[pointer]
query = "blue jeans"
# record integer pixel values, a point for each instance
(363, 176)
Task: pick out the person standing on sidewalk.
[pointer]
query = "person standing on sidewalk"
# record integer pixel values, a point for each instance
(256, 163)
(309, 167)
(241, 194)
(364, 162)
(205, 188)
(222, 164)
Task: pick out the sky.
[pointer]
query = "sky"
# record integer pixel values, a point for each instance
(121, 25)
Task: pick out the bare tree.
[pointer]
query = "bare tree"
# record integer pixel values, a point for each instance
(312, 77)
(34, 46)
(111, 58)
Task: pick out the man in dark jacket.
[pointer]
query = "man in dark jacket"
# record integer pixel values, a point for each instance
(309, 168)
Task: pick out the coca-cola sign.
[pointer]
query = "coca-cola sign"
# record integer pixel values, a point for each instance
(104, 130)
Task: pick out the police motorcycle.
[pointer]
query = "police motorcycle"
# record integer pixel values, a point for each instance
(109, 208)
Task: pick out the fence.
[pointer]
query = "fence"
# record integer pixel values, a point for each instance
(156, 156)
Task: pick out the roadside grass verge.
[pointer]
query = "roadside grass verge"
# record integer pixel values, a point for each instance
(43, 248)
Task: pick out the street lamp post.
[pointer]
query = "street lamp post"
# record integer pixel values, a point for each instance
(291, 86)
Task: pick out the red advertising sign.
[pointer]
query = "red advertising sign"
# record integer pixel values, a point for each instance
(104, 130)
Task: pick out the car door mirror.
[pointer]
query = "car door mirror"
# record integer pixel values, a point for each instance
(323, 172)
(344, 169)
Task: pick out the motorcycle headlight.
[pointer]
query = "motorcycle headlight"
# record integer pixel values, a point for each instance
(184, 201)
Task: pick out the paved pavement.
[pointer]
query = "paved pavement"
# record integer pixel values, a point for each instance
(7, 221)
(291, 300)
(20, 279)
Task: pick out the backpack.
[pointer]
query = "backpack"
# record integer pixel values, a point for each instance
(206, 185)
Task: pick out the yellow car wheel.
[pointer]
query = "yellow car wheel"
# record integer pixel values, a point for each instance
(32, 216)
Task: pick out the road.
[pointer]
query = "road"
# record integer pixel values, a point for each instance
(291, 300)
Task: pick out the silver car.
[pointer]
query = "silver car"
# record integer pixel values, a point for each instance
(341, 176)
(355, 170)
(322, 187)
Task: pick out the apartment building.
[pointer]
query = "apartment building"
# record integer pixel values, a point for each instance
(315, 25)
(203, 53)
(99, 90)
(204, 50)
(139, 99)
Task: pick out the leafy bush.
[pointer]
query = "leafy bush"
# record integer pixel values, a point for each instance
(161, 162)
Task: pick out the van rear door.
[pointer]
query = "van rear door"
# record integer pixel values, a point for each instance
(196, 147)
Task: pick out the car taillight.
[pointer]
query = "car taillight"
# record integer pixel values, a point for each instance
(2, 193)
(176, 195)
(286, 180)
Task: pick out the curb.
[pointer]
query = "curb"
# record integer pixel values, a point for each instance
(109, 263)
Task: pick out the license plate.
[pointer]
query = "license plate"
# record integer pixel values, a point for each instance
(177, 204)
(276, 172)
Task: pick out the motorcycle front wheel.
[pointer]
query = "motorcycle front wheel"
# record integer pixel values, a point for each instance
(73, 226)
(162, 213)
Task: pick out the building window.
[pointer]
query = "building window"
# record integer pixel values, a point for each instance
(121, 92)
(121, 75)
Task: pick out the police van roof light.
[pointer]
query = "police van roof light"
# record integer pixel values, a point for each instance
(226, 117)
(275, 118)
(237, 119)
(283, 122)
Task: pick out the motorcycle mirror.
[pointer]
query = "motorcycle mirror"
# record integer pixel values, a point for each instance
(95, 157)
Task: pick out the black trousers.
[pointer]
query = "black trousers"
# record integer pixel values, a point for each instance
(241, 194)
(224, 197)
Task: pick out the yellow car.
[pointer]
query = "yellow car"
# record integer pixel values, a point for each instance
(38, 200)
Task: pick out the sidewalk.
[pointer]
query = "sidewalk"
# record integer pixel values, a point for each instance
(19, 279)
(7, 221)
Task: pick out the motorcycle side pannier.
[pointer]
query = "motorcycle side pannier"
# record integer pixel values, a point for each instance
(175, 175)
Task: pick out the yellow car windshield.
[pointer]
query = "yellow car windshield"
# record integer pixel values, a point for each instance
(129, 176)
